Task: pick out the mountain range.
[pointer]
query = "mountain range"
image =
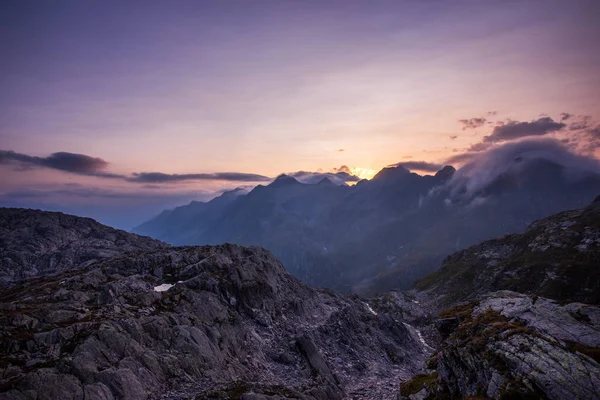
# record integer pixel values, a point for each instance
(384, 233)
(516, 317)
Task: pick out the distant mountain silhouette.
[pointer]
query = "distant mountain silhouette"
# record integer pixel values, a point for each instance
(382, 233)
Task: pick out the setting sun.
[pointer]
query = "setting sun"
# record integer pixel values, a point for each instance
(363, 173)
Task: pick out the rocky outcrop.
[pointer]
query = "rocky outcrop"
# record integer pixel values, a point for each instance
(556, 257)
(34, 243)
(511, 346)
(223, 322)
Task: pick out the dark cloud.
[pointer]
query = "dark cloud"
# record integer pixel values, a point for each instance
(159, 177)
(452, 137)
(565, 116)
(420, 166)
(512, 130)
(471, 123)
(62, 161)
(340, 150)
(82, 164)
(492, 113)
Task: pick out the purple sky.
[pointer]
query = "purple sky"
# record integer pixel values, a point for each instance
(264, 87)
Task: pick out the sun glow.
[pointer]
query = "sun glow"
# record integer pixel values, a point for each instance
(363, 173)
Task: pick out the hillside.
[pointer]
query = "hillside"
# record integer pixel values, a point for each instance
(35, 243)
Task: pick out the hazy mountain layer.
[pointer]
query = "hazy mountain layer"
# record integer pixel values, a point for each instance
(384, 233)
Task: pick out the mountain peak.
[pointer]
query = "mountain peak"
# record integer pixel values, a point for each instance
(446, 172)
(284, 180)
(391, 173)
(326, 182)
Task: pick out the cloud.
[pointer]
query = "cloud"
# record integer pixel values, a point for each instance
(514, 129)
(343, 168)
(565, 116)
(472, 123)
(452, 137)
(340, 150)
(580, 123)
(159, 177)
(338, 177)
(481, 146)
(492, 113)
(461, 158)
(420, 166)
(80, 164)
(481, 169)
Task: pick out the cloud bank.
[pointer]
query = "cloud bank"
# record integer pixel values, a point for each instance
(481, 169)
(81, 164)
(159, 177)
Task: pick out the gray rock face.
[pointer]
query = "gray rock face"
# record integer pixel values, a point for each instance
(509, 345)
(226, 322)
(35, 243)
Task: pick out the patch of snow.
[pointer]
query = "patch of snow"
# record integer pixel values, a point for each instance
(163, 288)
(370, 309)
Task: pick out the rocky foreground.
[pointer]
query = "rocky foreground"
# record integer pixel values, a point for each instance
(136, 319)
(196, 322)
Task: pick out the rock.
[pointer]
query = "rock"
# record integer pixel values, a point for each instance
(509, 344)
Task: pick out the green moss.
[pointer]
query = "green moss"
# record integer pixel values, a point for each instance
(462, 311)
(592, 352)
(418, 382)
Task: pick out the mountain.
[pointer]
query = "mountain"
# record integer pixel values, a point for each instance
(193, 218)
(555, 257)
(383, 233)
(34, 243)
(222, 322)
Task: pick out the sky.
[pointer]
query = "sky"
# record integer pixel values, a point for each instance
(119, 109)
